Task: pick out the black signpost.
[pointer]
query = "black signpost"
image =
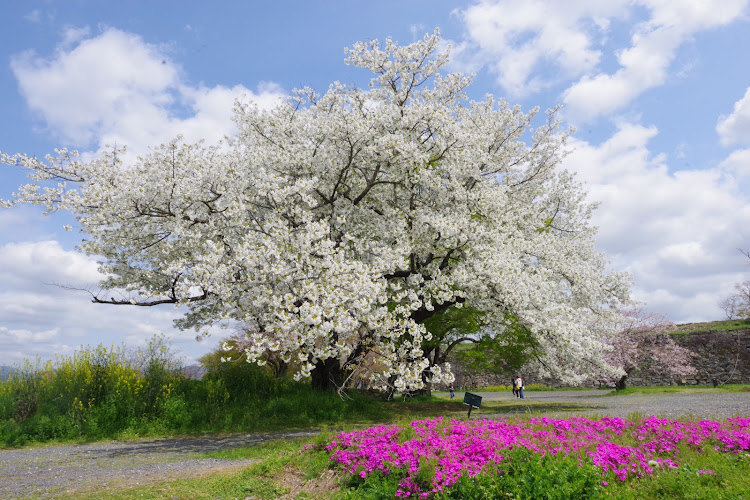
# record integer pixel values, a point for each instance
(472, 401)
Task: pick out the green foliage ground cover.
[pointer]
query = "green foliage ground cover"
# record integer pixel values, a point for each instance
(301, 469)
(113, 393)
(101, 393)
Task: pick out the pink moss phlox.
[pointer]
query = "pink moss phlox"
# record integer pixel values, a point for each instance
(448, 450)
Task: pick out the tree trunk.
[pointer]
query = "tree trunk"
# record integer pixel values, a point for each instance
(425, 391)
(620, 384)
(327, 375)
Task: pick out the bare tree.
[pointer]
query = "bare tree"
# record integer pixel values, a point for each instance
(737, 304)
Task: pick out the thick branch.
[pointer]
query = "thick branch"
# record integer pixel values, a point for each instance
(422, 314)
(171, 300)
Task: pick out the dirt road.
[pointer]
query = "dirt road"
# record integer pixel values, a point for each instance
(699, 403)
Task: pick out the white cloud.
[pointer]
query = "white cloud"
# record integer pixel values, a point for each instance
(515, 38)
(646, 62)
(11, 219)
(34, 16)
(213, 108)
(675, 231)
(737, 164)
(115, 88)
(539, 43)
(26, 336)
(92, 85)
(39, 262)
(39, 318)
(735, 128)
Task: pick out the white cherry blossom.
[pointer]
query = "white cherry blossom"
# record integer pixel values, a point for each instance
(333, 225)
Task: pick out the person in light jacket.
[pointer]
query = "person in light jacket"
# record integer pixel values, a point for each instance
(518, 386)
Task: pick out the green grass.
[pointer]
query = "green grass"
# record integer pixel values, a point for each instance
(456, 409)
(279, 467)
(101, 393)
(731, 479)
(86, 398)
(285, 468)
(711, 326)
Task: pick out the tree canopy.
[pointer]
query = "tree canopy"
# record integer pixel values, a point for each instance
(333, 226)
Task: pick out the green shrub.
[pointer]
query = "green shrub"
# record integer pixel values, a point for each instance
(94, 393)
(109, 392)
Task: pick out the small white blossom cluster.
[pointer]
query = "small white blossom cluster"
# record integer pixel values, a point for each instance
(335, 224)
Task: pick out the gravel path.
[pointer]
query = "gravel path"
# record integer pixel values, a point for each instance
(54, 470)
(699, 403)
(50, 471)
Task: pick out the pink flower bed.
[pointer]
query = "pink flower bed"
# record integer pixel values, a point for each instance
(461, 447)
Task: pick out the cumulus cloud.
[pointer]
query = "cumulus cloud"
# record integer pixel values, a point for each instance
(674, 230)
(735, 128)
(737, 164)
(63, 319)
(92, 84)
(515, 38)
(533, 45)
(111, 88)
(646, 62)
(115, 88)
(36, 262)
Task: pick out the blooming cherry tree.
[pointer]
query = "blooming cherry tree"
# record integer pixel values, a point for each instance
(642, 339)
(333, 226)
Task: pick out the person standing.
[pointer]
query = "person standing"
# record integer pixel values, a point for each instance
(520, 387)
(513, 385)
(452, 390)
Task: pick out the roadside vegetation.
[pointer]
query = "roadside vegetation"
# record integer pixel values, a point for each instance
(653, 458)
(111, 392)
(103, 393)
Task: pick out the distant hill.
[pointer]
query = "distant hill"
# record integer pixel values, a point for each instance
(192, 371)
(5, 371)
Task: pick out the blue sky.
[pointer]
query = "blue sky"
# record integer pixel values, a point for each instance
(658, 91)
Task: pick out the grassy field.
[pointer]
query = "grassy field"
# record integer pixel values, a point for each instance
(103, 394)
(301, 469)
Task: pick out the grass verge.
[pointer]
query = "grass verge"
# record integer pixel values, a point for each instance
(301, 469)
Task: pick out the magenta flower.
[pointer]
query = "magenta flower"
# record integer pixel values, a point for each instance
(459, 447)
